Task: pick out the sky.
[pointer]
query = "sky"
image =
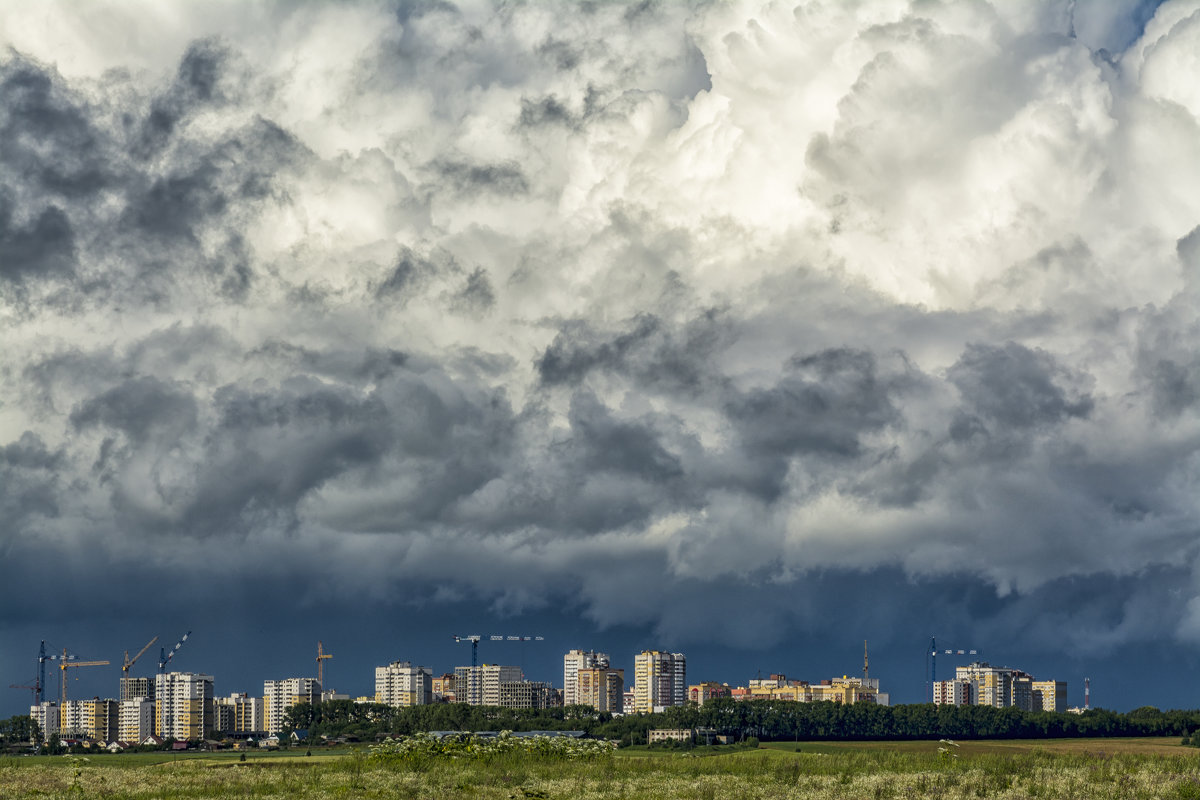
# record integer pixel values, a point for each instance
(750, 330)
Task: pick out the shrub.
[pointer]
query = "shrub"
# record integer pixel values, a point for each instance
(423, 747)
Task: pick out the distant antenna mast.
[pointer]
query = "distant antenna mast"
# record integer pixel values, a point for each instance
(866, 663)
(1087, 693)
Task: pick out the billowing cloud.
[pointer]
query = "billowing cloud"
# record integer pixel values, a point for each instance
(615, 308)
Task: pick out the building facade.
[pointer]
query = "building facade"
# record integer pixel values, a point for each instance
(443, 688)
(183, 705)
(1002, 687)
(46, 716)
(1050, 696)
(953, 693)
(700, 693)
(135, 719)
(660, 680)
(279, 696)
(480, 685)
(573, 662)
(90, 719)
(136, 687)
(527, 694)
(401, 684)
(602, 688)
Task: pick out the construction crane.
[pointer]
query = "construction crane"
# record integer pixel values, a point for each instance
(35, 688)
(321, 658)
(475, 639)
(129, 662)
(41, 676)
(69, 661)
(932, 653)
(164, 656)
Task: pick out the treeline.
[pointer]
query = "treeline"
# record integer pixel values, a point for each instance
(767, 720)
(17, 732)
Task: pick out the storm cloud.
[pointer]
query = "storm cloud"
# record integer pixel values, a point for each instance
(614, 308)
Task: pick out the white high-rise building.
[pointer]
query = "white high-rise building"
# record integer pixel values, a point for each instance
(574, 661)
(183, 705)
(46, 715)
(660, 680)
(279, 696)
(136, 720)
(401, 684)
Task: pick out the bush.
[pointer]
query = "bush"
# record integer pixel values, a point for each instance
(751, 741)
(423, 747)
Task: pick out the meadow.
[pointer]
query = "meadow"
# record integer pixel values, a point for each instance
(1081, 768)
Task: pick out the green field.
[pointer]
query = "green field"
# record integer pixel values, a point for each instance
(1078, 768)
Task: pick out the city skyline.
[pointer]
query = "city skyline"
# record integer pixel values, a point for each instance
(747, 330)
(627, 663)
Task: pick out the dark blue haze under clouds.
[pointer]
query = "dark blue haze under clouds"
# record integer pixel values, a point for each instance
(751, 330)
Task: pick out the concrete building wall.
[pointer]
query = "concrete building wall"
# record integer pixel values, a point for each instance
(279, 696)
(136, 719)
(401, 684)
(573, 662)
(655, 676)
(183, 705)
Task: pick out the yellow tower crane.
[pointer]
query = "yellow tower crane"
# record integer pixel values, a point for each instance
(321, 657)
(67, 661)
(129, 662)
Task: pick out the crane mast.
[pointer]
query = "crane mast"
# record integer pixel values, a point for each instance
(69, 661)
(475, 639)
(932, 653)
(322, 656)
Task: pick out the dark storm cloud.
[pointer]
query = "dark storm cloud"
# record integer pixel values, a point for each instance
(502, 178)
(1019, 387)
(197, 84)
(477, 294)
(544, 111)
(50, 141)
(823, 404)
(620, 446)
(139, 407)
(29, 486)
(41, 249)
(671, 358)
(644, 313)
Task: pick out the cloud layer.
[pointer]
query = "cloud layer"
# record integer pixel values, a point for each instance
(608, 308)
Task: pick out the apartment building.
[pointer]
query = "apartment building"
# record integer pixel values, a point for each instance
(46, 716)
(957, 692)
(847, 690)
(700, 693)
(1001, 687)
(401, 684)
(527, 694)
(91, 719)
(1050, 696)
(135, 719)
(443, 688)
(573, 662)
(136, 687)
(480, 685)
(183, 705)
(279, 696)
(660, 680)
(602, 688)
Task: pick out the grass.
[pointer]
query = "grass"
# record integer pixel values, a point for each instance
(1095, 768)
